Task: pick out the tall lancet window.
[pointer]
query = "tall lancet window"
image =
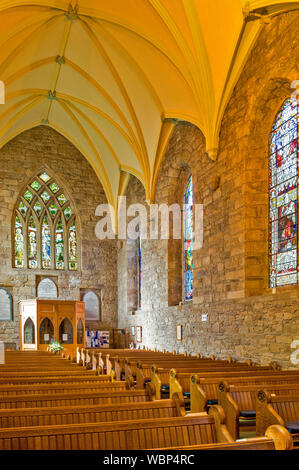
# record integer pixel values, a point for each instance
(188, 239)
(44, 224)
(283, 200)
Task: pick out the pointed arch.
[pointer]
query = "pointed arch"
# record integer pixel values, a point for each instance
(44, 217)
(283, 196)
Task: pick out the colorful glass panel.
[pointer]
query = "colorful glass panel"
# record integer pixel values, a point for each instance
(44, 177)
(61, 199)
(53, 210)
(23, 209)
(188, 239)
(73, 263)
(46, 244)
(28, 196)
(139, 267)
(54, 188)
(19, 244)
(35, 185)
(45, 196)
(59, 245)
(38, 208)
(283, 196)
(32, 244)
(67, 213)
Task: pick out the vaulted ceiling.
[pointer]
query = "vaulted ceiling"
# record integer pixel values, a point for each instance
(115, 76)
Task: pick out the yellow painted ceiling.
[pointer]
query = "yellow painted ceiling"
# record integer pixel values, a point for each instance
(115, 76)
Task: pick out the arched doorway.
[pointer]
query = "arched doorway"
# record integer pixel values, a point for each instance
(46, 332)
(80, 330)
(29, 332)
(66, 332)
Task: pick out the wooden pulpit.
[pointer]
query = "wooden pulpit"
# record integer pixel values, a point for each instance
(44, 321)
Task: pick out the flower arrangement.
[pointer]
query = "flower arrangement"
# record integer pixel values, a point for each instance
(55, 347)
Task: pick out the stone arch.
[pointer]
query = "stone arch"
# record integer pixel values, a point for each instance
(261, 116)
(186, 148)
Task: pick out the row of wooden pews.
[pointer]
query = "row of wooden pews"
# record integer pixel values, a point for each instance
(52, 402)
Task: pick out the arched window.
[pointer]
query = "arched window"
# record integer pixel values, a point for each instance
(188, 240)
(43, 220)
(283, 191)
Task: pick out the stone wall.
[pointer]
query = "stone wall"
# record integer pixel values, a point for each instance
(245, 318)
(23, 157)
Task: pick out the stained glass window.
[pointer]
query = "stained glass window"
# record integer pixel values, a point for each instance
(188, 240)
(46, 244)
(41, 223)
(73, 247)
(59, 245)
(19, 243)
(139, 267)
(32, 244)
(283, 196)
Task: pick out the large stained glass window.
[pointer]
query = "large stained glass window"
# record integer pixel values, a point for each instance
(188, 240)
(43, 218)
(283, 181)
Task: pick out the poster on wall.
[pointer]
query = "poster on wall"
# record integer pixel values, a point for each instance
(97, 339)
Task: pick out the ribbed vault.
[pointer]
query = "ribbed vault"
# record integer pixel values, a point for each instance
(114, 77)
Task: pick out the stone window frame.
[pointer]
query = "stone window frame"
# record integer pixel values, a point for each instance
(262, 115)
(39, 222)
(10, 304)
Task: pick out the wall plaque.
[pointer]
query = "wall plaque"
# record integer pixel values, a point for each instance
(92, 306)
(47, 289)
(5, 305)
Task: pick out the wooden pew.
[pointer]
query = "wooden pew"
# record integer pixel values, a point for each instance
(47, 389)
(122, 435)
(74, 399)
(161, 377)
(277, 409)
(36, 417)
(239, 402)
(276, 438)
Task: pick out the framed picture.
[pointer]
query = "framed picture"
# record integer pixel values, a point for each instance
(133, 331)
(139, 334)
(179, 330)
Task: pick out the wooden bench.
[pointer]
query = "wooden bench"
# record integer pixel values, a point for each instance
(277, 409)
(36, 417)
(54, 388)
(122, 435)
(74, 399)
(161, 377)
(276, 438)
(239, 403)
